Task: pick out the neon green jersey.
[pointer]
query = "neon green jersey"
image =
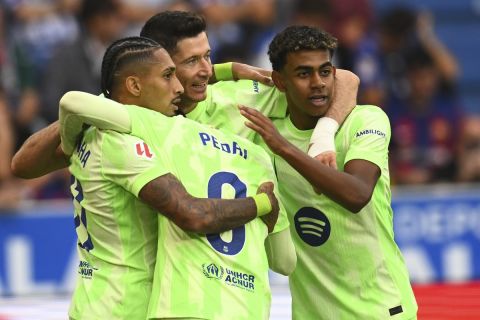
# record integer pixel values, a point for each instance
(220, 108)
(349, 266)
(215, 276)
(117, 234)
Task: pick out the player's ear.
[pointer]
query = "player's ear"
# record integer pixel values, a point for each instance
(278, 80)
(132, 83)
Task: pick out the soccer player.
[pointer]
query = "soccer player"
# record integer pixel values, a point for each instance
(217, 276)
(349, 266)
(183, 35)
(119, 181)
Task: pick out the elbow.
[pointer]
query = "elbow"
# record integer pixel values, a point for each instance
(354, 209)
(63, 103)
(14, 168)
(348, 77)
(17, 169)
(287, 267)
(69, 99)
(355, 79)
(359, 202)
(352, 77)
(190, 224)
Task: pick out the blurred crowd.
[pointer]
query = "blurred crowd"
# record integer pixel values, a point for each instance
(49, 47)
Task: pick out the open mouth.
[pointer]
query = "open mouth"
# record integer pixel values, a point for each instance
(199, 87)
(318, 100)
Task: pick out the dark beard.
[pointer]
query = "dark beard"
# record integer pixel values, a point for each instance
(179, 112)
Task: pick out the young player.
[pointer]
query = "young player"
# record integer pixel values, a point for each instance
(349, 266)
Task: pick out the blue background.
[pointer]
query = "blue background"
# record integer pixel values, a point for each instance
(437, 229)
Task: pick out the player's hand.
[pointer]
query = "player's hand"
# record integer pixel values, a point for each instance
(265, 128)
(271, 218)
(328, 158)
(245, 71)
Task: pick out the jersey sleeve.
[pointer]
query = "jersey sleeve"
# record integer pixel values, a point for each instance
(369, 136)
(272, 102)
(282, 222)
(264, 161)
(129, 161)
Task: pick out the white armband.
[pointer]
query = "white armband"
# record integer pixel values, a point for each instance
(323, 137)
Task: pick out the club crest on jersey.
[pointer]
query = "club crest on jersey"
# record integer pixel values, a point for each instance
(143, 150)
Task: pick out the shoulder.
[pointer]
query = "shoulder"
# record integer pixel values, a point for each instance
(114, 138)
(247, 86)
(121, 148)
(143, 117)
(111, 147)
(368, 109)
(368, 112)
(227, 86)
(141, 111)
(366, 120)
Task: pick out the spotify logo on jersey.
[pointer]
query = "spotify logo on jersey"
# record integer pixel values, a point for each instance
(312, 226)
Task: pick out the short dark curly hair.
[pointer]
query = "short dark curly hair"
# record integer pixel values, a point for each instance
(169, 27)
(298, 38)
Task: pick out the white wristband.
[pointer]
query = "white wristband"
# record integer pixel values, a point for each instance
(323, 137)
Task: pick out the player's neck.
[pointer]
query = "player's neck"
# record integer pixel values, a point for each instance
(119, 97)
(124, 98)
(302, 121)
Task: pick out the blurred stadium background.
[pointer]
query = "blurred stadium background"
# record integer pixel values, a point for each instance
(417, 59)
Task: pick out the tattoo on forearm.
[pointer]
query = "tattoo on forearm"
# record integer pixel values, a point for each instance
(167, 195)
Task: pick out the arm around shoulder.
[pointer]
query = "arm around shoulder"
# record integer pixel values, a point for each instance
(322, 144)
(79, 108)
(345, 95)
(237, 71)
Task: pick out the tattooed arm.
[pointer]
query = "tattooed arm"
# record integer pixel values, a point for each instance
(202, 215)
